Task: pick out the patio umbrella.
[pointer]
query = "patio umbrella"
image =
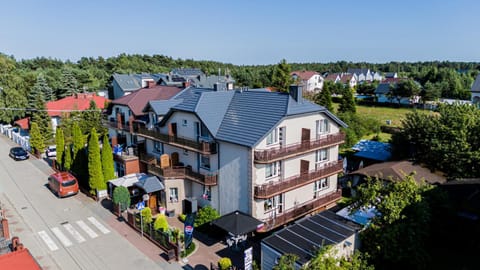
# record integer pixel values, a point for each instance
(237, 223)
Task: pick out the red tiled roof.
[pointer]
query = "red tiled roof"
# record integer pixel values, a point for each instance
(332, 77)
(346, 78)
(19, 260)
(79, 101)
(23, 123)
(137, 100)
(304, 75)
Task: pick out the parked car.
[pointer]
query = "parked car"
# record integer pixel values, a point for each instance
(63, 184)
(51, 151)
(18, 153)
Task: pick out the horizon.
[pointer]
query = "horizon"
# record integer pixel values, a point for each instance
(243, 33)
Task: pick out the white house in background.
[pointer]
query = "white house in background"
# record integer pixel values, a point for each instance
(271, 155)
(365, 74)
(349, 79)
(476, 91)
(312, 81)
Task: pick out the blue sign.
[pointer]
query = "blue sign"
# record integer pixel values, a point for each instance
(188, 230)
(140, 205)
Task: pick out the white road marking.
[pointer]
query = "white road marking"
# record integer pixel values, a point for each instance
(98, 225)
(78, 237)
(65, 241)
(87, 229)
(51, 245)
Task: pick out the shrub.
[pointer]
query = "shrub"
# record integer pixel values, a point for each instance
(182, 217)
(147, 215)
(122, 196)
(161, 223)
(224, 263)
(206, 215)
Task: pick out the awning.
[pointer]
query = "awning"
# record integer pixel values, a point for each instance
(237, 223)
(150, 184)
(127, 180)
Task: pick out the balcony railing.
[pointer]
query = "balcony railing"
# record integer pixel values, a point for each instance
(117, 125)
(271, 189)
(272, 154)
(302, 210)
(202, 147)
(177, 171)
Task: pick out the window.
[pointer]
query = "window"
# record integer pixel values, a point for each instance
(204, 131)
(323, 126)
(272, 169)
(319, 186)
(268, 204)
(205, 161)
(321, 155)
(272, 137)
(157, 147)
(173, 194)
(184, 122)
(185, 152)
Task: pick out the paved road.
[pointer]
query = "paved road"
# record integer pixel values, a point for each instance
(69, 233)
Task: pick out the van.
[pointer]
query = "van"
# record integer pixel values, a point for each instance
(63, 184)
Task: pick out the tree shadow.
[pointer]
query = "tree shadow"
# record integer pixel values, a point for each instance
(196, 267)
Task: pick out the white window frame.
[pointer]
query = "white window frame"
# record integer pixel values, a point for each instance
(323, 126)
(272, 137)
(157, 147)
(203, 162)
(272, 169)
(173, 192)
(322, 155)
(184, 122)
(320, 185)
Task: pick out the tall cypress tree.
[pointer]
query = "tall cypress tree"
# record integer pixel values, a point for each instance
(67, 158)
(78, 140)
(95, 174)
(107, 160)
(60, 145)
(37, 141)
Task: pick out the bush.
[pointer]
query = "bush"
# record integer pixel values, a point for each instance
(206, 215)
(161, 223)
(122, 196)
(224, 263)
(182, 217)
(147, 215)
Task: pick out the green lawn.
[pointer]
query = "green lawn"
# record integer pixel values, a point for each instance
(382, 113)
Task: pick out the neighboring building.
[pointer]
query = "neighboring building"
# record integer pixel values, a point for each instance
(271, 155)
(391, 75)
(365, 74)
(77, 102)
(348, 79)
(333, 77)
(124, 112)
(124, 84)
(476, 91)
(312, 81)
(307, 236)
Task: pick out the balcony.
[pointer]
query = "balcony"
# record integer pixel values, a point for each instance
(291, 150)
(206, 148)
(178, 172)
(110, 123)
(271, 189)
(302, 210)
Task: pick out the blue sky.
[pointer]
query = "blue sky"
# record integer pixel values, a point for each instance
(244, 32)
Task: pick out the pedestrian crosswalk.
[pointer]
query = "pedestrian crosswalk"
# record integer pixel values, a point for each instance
(68, 234)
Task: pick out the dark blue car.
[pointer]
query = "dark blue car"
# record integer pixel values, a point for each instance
(18, 153)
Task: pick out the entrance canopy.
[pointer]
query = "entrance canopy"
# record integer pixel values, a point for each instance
(150, 184)
(237, 223)
(127, 180)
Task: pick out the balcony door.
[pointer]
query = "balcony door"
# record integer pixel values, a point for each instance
(305, 136)
(172, 129)
(304, 165)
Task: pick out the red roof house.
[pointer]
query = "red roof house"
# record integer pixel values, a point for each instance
(80, 102)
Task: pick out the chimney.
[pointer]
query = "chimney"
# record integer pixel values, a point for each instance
(296, 92)
(151, 84)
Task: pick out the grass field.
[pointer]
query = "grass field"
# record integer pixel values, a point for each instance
(382, 114)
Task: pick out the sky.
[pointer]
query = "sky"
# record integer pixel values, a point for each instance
(244, 32)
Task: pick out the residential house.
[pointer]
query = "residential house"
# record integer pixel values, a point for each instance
(77, 102)
(333, 77)
(349, 79)
(271, 155)
(476, 91)
(126, 110)
(307, 236)
(365, 74)
(391, 75)
(124, 84)
(312, 81)
(382, 93)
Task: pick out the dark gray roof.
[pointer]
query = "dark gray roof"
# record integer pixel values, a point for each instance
(150, 183)
(310, 233)
(189, 72)
(358, 71)
(237, 223)
(476, 84)
(128, 82)
(161, 107)
(382, 88)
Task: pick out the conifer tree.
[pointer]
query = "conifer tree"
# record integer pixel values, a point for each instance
(324, 98)
(107, 160)
(41, 117)
(78, 139)
(347, 103)
(67, 158)
(95, 174)
(37, 92)
(60, 145)
(37, 141)
(92, 118)
(69, 84)
(281, 78)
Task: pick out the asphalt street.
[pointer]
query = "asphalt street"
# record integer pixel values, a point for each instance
(69, 233)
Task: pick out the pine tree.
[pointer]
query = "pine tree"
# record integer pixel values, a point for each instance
(69, 84)
(107, 160)
(281, 78)
(37, 92)
(347, 103)
(92, 118)
(41, 117)
(37, 141)
(67, 158)
(95, 174)
(60, 145)
(324, 98)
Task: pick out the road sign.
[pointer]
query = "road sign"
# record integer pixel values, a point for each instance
(248, 258)
(140, 205)
(145, 197)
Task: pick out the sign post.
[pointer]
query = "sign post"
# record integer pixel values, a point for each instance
(140, 206)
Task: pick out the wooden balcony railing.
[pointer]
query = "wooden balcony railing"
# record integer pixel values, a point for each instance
(117, 125)
(202, 147)
(271, 189)
(177, 172)
(272, 154)
(302, 210)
